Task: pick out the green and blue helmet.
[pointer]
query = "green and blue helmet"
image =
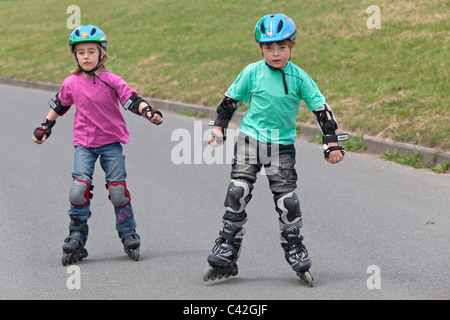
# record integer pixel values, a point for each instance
(275, 27)
(88, 33)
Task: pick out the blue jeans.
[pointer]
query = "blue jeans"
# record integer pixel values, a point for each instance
(112, 162)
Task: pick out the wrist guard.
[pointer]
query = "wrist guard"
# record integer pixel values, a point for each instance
(327, 126)
(152, 111)
(133, 103)
(334, 138)
(40, 131)
(327, 150)
(225, 111)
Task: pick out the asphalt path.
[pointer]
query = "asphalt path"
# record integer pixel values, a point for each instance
(374, 229)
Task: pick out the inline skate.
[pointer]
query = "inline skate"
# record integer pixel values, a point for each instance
(222, 260)
(296, 254)
(73, 247)
(131, 243)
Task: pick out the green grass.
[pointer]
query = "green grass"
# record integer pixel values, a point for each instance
(441, 167)
(415, 160)
(355, 144)
(192, 113)
(390, 83)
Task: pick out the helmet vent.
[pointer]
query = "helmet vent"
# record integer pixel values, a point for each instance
(263, 30)
(77, 33)
(280, 26)
(93, 31)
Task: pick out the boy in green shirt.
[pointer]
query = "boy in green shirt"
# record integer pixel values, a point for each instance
(274, 88)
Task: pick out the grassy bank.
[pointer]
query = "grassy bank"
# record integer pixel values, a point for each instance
(389, 82)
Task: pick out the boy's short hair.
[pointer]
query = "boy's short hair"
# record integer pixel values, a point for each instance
(287, 42)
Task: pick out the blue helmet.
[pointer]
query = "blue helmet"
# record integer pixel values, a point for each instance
(275, 27)
(88, 33)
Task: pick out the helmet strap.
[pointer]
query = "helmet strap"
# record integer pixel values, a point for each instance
(89, 73)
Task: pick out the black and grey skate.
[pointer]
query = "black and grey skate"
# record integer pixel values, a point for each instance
(213, 273)
(296, 254)
(222, 260)
(73, 247)
(131, 243)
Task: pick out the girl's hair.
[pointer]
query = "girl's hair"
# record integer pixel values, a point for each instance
(101, 64)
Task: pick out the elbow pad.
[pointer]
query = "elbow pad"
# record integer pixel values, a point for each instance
(56, 105)
(133, 103)
(225, 111)
(327, 126)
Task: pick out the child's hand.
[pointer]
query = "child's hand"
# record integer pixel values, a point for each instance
(216, 139)
(39, 141)
(335, 156)
(41, 134)
(156, 119)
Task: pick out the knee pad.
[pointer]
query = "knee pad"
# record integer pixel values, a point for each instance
(238, 195)
(288, 207)
(80, 193)
(118, 194)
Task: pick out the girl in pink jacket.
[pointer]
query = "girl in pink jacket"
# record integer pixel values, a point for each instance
(99, 132)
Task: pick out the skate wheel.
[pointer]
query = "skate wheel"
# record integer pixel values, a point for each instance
(72, 257)
(309, 279)
(83, 254)
(65, 259)
(306, 277)
(235, 270)
(213, 273)
(135, 255)
(207, 273)
(68, 258)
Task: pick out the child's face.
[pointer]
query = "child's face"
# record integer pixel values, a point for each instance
(87, 55)
(277, 54)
